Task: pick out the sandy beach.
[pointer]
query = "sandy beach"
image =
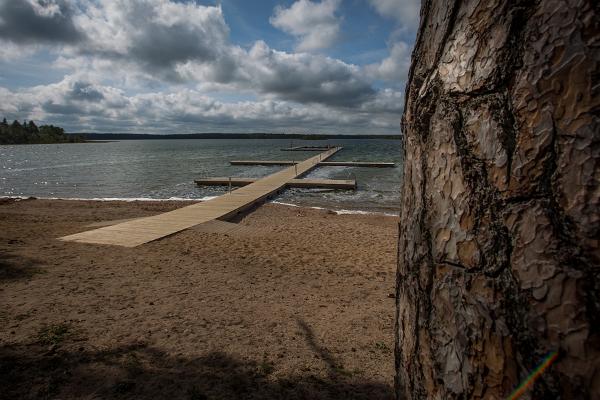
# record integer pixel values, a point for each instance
(288, 303)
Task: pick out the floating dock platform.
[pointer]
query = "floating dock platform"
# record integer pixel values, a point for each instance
(293, 183)
(357, 164)
(262, 162)
(251, 192)
(321, 163)
(307, 148)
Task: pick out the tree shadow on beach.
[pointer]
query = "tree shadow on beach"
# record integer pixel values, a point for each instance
(335, 369)
(13, 267)
(143, 372)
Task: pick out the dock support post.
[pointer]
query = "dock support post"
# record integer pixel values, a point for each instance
(229, 185)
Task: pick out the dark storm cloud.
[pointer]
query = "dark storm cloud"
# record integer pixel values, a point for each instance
(21, 23)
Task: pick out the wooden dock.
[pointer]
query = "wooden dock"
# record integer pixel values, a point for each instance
(143, 230)
(262, 162)
(322, 164)
(307, 148)
(293, 183)
(357, 164)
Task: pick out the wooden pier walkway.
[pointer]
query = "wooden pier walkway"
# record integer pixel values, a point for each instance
(142, 230)
(292, 183)
(321, 164)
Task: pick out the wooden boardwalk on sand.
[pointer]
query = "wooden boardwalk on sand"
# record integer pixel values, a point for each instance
(142, 230)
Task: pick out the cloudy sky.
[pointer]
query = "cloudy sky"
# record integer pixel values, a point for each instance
(160, 66)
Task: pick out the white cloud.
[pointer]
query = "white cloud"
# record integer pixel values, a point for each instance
(82, 105)
(300, 77)
(404, 12)
(314, 24)
(165, 56)
(11, 51)
(45, 9)
(155, 34)
(304, 77)
(388, 101)
(139, 41)
(395, 67)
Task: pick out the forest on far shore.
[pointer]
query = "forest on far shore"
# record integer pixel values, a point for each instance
(30, 133)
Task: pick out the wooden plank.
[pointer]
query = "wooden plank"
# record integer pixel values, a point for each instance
(143, 230)
(223, 181)
(321, 164)
(296, 183)
(101, 224)
(307, 148)
(262, 162)
(323, 183)
(357, 164)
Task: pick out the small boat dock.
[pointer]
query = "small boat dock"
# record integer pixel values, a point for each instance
(250, 193)
(143, 230)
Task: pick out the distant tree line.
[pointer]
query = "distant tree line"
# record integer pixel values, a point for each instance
(30, 133)
(289, 136)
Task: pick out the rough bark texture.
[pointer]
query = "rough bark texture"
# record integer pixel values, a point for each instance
(500, 225)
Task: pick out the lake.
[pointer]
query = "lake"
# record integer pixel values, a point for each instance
(166, 169)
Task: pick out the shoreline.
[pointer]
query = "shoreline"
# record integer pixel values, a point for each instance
(341, 211)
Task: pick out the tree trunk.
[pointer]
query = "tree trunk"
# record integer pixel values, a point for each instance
(498, 260)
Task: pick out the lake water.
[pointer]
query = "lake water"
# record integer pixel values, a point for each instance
(166, 169)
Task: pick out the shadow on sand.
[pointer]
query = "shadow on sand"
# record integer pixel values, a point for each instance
(16, 267)
(143, 372)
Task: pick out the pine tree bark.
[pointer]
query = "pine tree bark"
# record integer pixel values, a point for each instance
(499, 260)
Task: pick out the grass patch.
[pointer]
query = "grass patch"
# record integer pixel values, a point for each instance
(53, 334)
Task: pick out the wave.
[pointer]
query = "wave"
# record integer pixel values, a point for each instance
(338, 212)
(127, 199)
(206, 198)
(58, 166)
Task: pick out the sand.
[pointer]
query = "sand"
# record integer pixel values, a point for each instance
(289, 303)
